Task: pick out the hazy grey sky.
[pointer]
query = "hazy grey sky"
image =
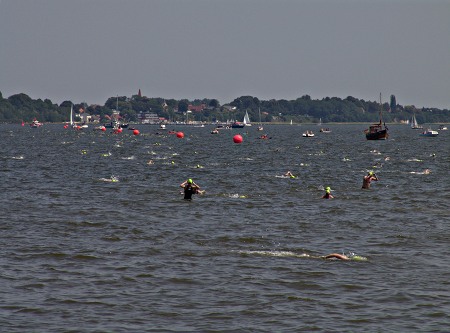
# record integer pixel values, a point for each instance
(89, 50)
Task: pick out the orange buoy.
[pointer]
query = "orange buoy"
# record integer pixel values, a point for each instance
(136, 132)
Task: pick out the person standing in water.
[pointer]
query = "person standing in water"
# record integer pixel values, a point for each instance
(368, 179)
(327, 194)
(190, 188)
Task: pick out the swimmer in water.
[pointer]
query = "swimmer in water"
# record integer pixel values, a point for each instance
(368, 179)
(289, 174)
(327, 194)
(424, 172)
(344, 257)
(190, 188)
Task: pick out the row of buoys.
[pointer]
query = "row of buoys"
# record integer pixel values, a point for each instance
(236, 139)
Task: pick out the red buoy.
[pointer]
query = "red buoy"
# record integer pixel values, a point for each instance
(180, 135)
(238, 138)
(136, 132)
(103, 128)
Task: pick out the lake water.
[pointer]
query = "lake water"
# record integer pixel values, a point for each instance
(82, 254)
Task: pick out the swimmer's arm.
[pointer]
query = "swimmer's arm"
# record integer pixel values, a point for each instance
(337, 256)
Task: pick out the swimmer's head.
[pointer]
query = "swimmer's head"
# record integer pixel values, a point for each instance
(370, 173)
(190, 181)
(358, 258)
(328, 189)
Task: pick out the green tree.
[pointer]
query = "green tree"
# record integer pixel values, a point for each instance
(183, 105)
(393, 104)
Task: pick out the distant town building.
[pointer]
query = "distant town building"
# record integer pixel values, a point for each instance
(196, 108)
(149, 118)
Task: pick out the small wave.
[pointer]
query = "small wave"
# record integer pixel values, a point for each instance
(85, 257)
(237, 196)
(275, 253)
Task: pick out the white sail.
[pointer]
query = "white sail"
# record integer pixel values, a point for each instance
(71, 115)
(247, 119)
(414, 124)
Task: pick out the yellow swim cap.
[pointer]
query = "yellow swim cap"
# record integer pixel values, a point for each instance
(358, 258)
(371, 173)
(190, 181)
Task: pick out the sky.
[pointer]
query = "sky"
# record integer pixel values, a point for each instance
(91, 50)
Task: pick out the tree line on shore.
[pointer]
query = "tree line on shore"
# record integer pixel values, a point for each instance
(20, 107)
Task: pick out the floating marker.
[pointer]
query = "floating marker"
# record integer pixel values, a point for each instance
(237, 138)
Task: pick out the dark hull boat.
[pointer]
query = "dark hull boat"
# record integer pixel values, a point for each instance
(237, 124)
(376, 131)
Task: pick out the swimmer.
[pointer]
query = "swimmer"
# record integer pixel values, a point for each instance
(190, 188)
(112, 179)
(289, 174)
(424, 172)
(368, 179)
(327, 194)
(344, 257)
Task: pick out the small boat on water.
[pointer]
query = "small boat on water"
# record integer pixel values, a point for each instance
(414, 124)
(35, 123)
(376, 131)
(237, 124)
(215, 131)
(325, 130)
(429, 132)
(442, 128)
(246, 121)
(260, 127)
(308, 134)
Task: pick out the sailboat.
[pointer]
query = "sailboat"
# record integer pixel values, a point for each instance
(247, 119)
(414, 124)
(71, 116)
(376, 131)
(260, 127)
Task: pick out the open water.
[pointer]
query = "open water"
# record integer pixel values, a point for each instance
(82, 254)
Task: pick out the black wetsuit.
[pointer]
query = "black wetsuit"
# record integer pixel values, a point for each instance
(188, 191)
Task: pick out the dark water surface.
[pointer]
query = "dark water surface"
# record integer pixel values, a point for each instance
(81, 254)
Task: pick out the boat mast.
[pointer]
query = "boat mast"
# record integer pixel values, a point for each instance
(381, 108)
